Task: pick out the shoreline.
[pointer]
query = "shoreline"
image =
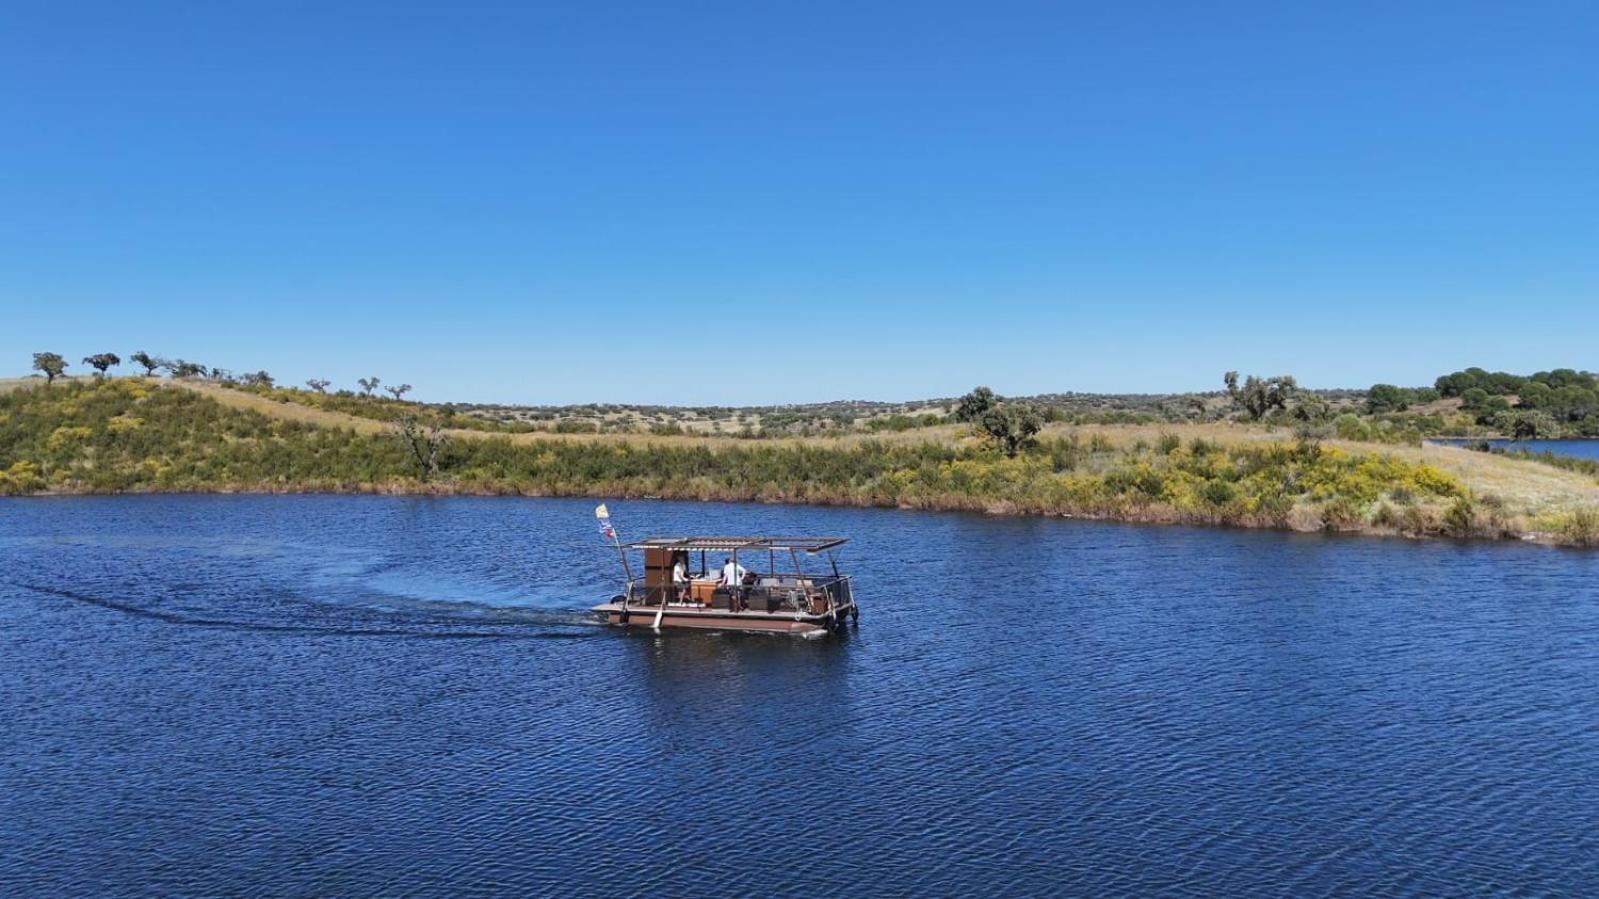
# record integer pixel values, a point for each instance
(130, 437)
(1155, 518)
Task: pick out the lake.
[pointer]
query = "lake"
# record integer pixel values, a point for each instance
(1581, 449)
(382, 696)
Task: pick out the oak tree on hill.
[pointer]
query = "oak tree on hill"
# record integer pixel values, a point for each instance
(1012, 425)
(1258, 396)
(102, 361)
(51, 365)
(973, 405)
(1382, 398)
(150, 363)
(183, 368)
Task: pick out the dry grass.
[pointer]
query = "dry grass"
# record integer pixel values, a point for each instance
(9, 384)
(241, 399)
(1527, 487)
(1124, 436)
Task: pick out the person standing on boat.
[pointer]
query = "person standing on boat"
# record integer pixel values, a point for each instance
(680, 579)
(733, 580)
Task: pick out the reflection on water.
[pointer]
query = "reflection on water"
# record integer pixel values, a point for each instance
(318, 695)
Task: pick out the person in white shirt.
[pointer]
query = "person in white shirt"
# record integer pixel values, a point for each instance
(680, 579)
(733, 579)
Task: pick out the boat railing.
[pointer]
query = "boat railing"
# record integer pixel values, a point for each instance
(814, 595)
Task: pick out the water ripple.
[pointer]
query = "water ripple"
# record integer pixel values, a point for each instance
(269, 696)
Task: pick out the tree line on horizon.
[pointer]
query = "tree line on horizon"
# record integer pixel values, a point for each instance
(54, 365)
(1562, 401)
(1545, 404)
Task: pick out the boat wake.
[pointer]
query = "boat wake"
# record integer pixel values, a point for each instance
(522, 625)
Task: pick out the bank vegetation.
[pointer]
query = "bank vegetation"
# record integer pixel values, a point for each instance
(145, 435)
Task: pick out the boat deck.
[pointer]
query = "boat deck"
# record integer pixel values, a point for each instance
(691, 615)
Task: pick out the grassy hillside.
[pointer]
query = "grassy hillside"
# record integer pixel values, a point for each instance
(139, 435)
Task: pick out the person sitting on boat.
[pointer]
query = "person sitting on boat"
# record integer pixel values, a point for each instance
(733, 579)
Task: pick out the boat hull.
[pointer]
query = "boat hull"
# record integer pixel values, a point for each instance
(717, 619)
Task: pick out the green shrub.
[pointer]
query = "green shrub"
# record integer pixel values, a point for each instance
(1415, 521)
(1341, 514)
(1581, 527)
(1349, 427)
(1385, 516)
(1218, 492)
(1460, 520)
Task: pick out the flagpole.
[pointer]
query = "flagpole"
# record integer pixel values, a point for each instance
(604, 516)
(622, 554)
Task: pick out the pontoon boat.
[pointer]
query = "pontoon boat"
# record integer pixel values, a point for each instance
(734, 583)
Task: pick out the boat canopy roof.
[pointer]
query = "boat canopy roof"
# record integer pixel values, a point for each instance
(720, 544)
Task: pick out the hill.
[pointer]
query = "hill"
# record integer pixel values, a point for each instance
(154, 435)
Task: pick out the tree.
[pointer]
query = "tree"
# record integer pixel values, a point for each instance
(399, 391)
(1012, 425)
(1491, 408)
(320, 385)
(257, 379)
(1572, 403)
(51, 365)
(423, 441)
(183, 368)
(1312, 409)
(1535, 395)
(102, 361)
(368, 385)
(1383, 398)
(1197, 406)
(1259, 396)
(973, 405)
(1496, 383)
(1563, 377)
(150, 363)
(1526, 425)
(1473, 398)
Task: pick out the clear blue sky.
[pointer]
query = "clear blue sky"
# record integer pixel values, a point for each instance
(565, 202)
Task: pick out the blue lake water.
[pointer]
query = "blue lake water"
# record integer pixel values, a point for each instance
(1581, 449)
(402, 696)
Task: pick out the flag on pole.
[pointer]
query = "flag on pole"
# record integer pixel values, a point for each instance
(604, 516)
